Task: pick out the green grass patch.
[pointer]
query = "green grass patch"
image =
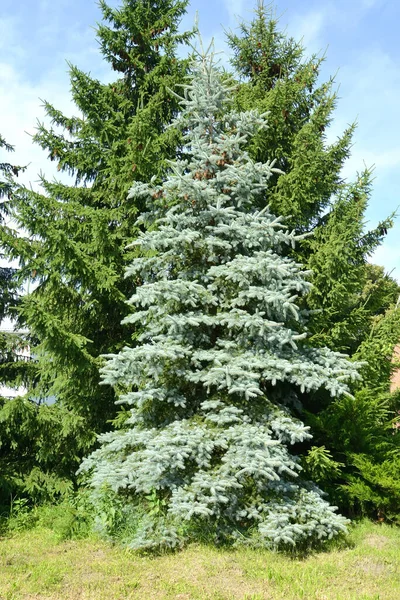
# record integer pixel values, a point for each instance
(36, 564)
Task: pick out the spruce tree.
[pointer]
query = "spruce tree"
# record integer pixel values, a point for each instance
(222, 358)
(277, 76)
(72, 249)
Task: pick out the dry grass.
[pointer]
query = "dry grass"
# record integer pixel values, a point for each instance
(33, 565)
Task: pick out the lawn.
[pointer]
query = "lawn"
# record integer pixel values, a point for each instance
(35, 565)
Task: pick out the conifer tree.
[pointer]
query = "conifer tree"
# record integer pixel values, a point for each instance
(222, 357)
(277, 77)
(73, 247)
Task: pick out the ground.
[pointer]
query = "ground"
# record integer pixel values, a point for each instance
(35, 565)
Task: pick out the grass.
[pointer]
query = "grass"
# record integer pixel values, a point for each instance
(35, 565)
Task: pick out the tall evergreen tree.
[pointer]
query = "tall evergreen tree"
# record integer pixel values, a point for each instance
(277, 77)
(73, 246)
(222, 357)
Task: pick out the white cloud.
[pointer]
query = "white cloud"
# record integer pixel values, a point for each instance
(21, 94)
(340, 15)
(20, 103)
(9, 43)
(388, 255)
(236, 10)
(309, 28)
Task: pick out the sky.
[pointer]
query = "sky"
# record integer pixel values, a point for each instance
(358, 37)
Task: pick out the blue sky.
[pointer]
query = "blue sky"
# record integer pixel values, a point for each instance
(359, 38)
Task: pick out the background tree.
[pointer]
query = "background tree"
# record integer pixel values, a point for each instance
(276, 76)
(73, 246)
(221, 358)
(9, 287)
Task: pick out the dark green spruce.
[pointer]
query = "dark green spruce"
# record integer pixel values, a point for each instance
(277, 77)
(73, 250)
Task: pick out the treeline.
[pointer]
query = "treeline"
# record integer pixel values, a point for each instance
(73, 245)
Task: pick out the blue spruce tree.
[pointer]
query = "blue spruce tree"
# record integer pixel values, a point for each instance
(222, 357)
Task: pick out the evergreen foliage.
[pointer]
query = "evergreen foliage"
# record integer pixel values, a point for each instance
(377, 351)
(7, 170)
(222, 358)
(362, 432)
(35, 452)
(73, 246)
(277, 77)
